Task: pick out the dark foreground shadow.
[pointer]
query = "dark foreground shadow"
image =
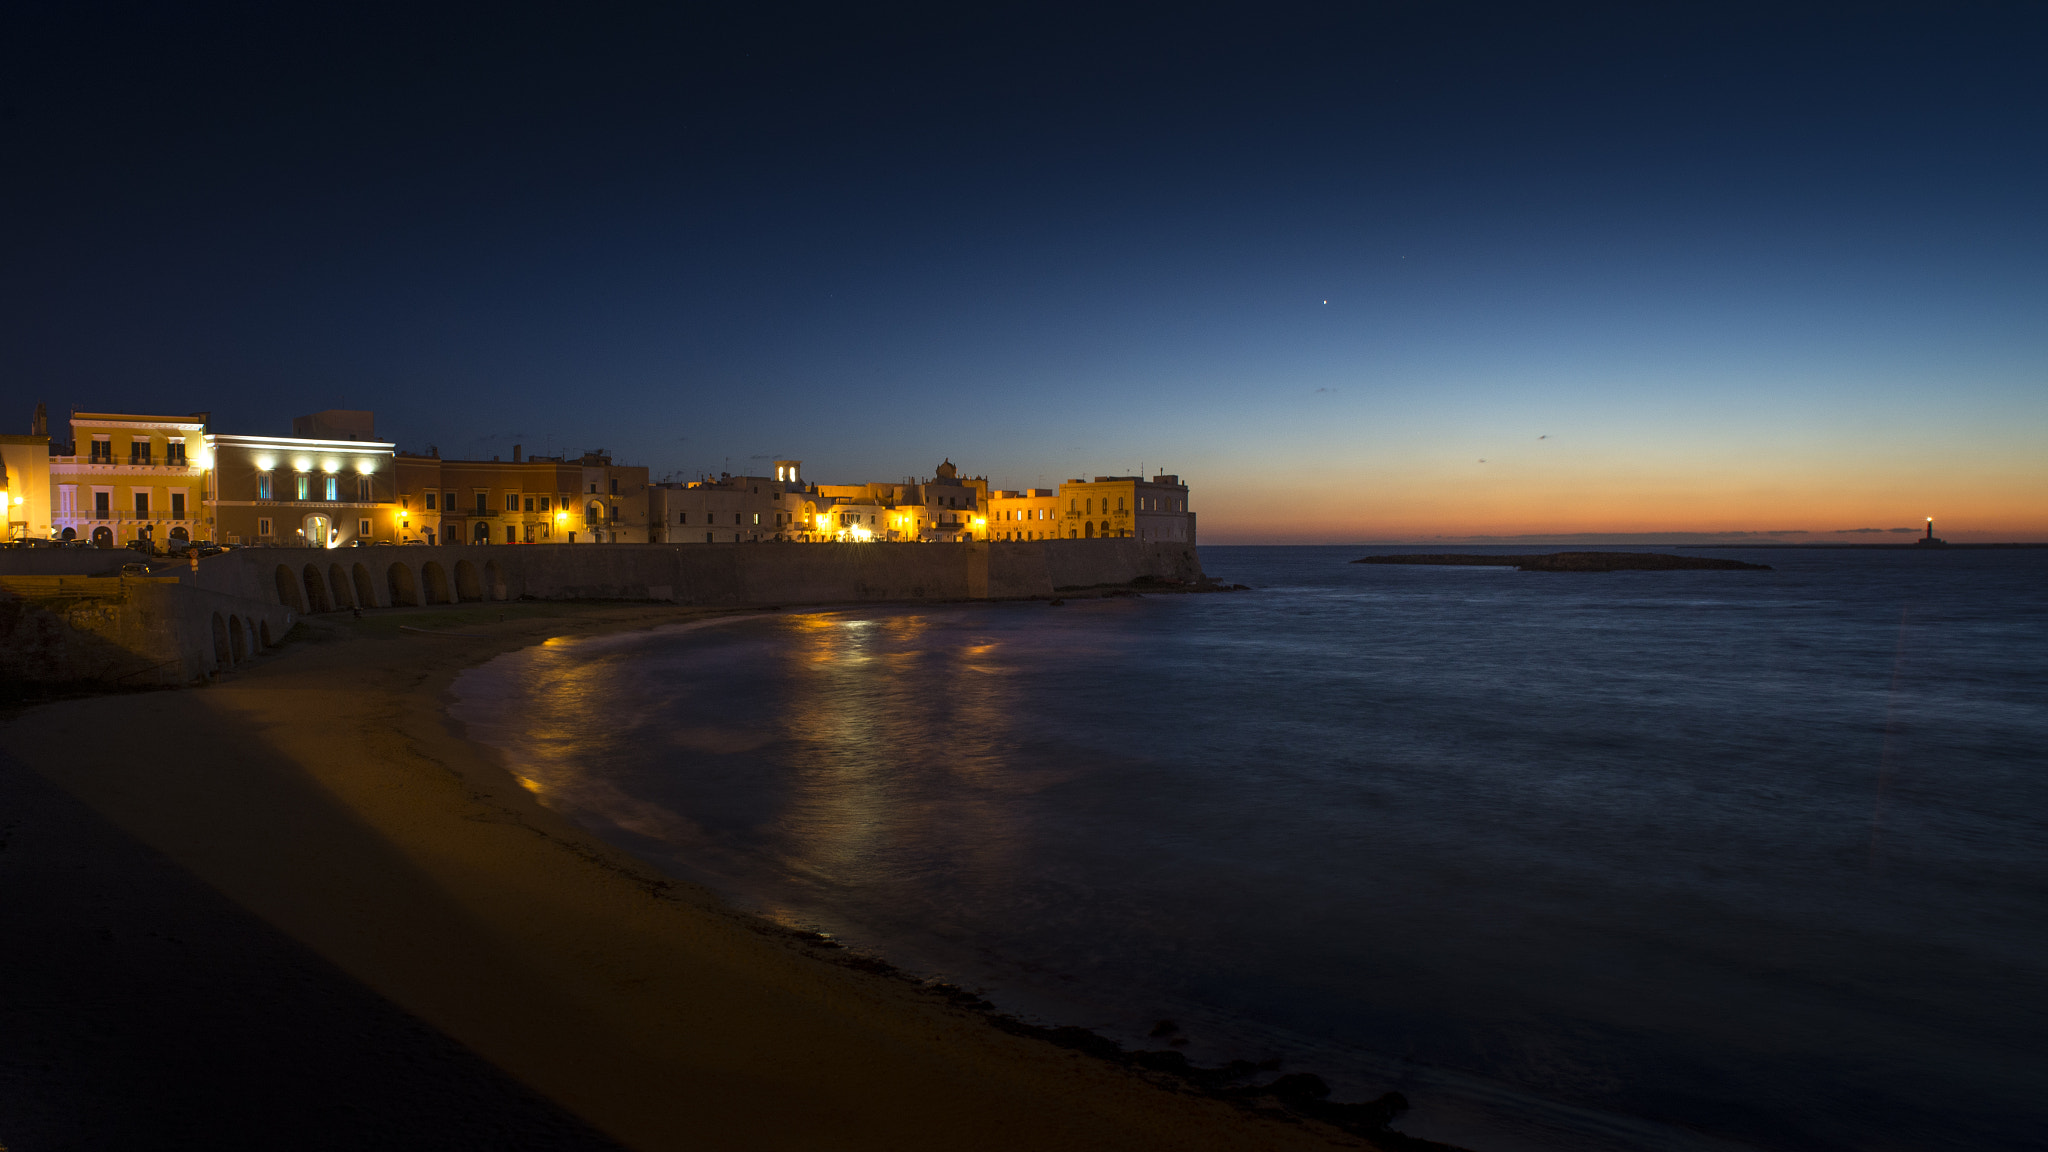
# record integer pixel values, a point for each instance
(139, 1009)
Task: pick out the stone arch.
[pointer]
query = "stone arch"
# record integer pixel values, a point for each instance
(238, 639)
(179, 533)
(1091, 529)
(263, 633)
(466, 587)
(436, 580)
(404, 589)
(482, 535)
(366, 588)
(344, 592)
(288, 589)
(103, 537)
(221, 653)
(316, 591)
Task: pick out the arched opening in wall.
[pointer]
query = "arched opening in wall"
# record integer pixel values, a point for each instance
(404, 589)
(344, 593)
(436, 580)
(466, 587)
(288, 589)
(483, 532)
(103, 537)
(238, 639)
(1091, 529)
(263, 633)
(68, 534)
(494, 581)
(316, 591)
(366, 588)
(221, 657)
(178, 533)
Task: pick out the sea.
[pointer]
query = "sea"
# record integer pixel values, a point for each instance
(1681, 860)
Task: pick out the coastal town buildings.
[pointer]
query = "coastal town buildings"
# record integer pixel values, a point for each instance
(526, 500)
(162, 480)
(1126, 506)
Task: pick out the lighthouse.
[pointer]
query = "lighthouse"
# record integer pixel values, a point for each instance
(1930, 540)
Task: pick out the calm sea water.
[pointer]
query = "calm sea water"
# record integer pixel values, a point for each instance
(1675, 860)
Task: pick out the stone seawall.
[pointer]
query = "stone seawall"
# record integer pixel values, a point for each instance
(67, 617)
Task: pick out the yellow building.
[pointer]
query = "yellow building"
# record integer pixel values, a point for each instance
(1126, 506)
(131, 477)
(1024, 514)
(25, 482)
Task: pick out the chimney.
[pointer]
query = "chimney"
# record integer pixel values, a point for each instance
(515, 452)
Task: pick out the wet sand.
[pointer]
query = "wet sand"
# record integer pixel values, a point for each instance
(303, 884)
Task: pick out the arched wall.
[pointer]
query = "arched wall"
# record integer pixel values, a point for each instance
(288, 589)
(405, 588)
(222, 657)
(344, 592)
(238, 639)
(316, 591)
(466, 587)
(435, 580)
(366, 588)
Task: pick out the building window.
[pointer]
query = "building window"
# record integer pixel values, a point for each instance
(615, 487)
(682, 517)
(177, 505)
(262, 527)
(100, 502)
(263, 485)
(483, 503)
(102, 450)
(593, 489)
(430, 501)
(333, 487)
(449, 502)
(543, 503)
(757, 517)
(363, 529)
(138, 451)
(512, 502)
(174, 453)
(142, 505)
(362, 489)
(529, 503)
(529, 533)
(736, 520)
(511, 534)
(1119, 503)
(707, 538)
(303, 486)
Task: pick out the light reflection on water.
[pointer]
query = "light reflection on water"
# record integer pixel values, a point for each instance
(1575, 861)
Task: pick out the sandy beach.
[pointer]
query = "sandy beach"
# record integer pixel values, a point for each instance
(298, 902)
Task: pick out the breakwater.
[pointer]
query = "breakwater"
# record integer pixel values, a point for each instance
(72, 617)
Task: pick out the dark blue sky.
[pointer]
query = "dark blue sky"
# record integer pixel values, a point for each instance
(1750, 267)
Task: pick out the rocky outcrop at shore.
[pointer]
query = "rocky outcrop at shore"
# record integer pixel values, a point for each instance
(1577, 562)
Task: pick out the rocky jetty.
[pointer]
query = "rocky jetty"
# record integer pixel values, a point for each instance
(1578, 562)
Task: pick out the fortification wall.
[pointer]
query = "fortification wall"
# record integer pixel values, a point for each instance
(61, 631)
(182, 624)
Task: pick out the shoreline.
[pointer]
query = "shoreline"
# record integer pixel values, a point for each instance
(336, 799)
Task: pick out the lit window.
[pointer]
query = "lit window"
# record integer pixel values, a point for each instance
(334, 488)
(363, 529)
(304, 486)
(262, 527)
(263, 488)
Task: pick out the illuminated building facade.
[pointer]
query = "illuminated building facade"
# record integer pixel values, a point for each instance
(1024, 514)
(128, 477)
(732, 509)
(330, 491)
(1126, 506)
(25, 482)
(527, 500)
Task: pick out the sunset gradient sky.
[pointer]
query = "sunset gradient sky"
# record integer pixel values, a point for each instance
(1372, 272)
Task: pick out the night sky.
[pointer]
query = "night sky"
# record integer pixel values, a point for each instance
(1663, 268)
